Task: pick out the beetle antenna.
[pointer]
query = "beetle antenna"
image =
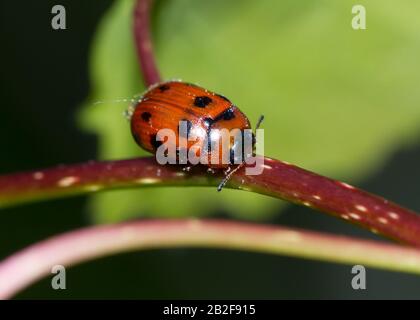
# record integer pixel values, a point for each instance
(128, 113)
(260, 120)
(228, 176)
(254, 135)
(132, 100)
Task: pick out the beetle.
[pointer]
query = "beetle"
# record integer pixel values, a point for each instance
(167, 104)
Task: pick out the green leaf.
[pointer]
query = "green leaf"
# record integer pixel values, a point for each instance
(337, 101)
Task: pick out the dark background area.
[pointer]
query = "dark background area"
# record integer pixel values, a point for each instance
(44, 78)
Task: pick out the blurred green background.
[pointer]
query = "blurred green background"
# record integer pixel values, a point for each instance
(343, 103)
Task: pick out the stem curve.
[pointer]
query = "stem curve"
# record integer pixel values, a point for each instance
(31, 264)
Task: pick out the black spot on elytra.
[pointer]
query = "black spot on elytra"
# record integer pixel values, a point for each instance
(146, 116)
(228, 114)
(222, 97)
(189, 126)
(155, 143)
(164, 87)
(202, 101)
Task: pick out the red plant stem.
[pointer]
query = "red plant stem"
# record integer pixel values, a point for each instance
(289, 182)
(278, 179)
(25, 267)
(143, 42)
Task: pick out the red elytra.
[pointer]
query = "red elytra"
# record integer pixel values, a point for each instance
(165, 104)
